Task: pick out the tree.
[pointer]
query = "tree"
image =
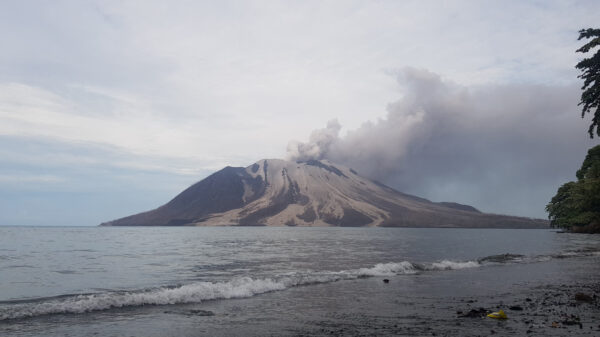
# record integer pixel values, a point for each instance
(576, 205)
(590, 68)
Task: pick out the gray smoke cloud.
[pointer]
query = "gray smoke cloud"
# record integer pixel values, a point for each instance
(501, 148)
(318, 144)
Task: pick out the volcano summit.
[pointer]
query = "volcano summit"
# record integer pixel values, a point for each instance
(275, 192)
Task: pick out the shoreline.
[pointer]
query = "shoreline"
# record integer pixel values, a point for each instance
(534, 306)
(538, 310)
(429, 302)
(541, 309)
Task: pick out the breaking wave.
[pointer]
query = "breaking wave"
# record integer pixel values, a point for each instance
(386, 269)
(451, 265)
(242, 287)
(200, 291)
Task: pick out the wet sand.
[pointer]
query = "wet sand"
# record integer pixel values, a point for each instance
(554, 298)
(446, 303)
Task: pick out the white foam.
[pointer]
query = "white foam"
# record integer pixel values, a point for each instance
(203, 291)
(452, 265)
(191, 293)
(388, 269)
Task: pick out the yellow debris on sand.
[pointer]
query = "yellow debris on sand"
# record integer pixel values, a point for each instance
(497, 315)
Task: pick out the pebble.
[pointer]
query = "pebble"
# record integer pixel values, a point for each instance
(583, 297)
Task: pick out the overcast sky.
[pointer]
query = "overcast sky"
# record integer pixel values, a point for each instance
(108, 108)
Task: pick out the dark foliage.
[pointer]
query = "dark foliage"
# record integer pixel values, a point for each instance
(590, 68)
(576, 205)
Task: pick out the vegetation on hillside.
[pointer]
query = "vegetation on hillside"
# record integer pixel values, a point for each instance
(576, 205)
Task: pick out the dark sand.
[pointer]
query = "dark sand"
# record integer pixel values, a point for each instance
(557, 298)
(434, 304)
(427, 304)
(554, 298)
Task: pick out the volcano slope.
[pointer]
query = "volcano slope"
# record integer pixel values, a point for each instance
(276, 192)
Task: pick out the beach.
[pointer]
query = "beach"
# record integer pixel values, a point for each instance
(537, 290)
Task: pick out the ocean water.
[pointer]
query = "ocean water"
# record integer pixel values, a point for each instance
(190, 281)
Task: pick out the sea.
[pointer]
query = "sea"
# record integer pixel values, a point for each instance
(269, 281)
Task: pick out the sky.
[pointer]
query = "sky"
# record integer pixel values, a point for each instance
(109, 108)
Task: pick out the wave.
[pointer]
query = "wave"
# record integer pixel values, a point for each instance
(518, 258)
(202, 291)
(452, 265)
(243, 287)
(191, 293)
(386, 269)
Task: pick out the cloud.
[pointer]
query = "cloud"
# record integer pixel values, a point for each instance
(130, 126)
(502, 148)
(183, 89)
(30, 179)
(49, 182)
(318, 144)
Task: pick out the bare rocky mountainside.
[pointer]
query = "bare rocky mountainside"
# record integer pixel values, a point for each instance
(275, 192)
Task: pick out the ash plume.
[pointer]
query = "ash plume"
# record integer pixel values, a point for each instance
(318, 144)
(501, 148)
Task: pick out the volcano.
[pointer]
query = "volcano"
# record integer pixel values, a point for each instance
(273, 192)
